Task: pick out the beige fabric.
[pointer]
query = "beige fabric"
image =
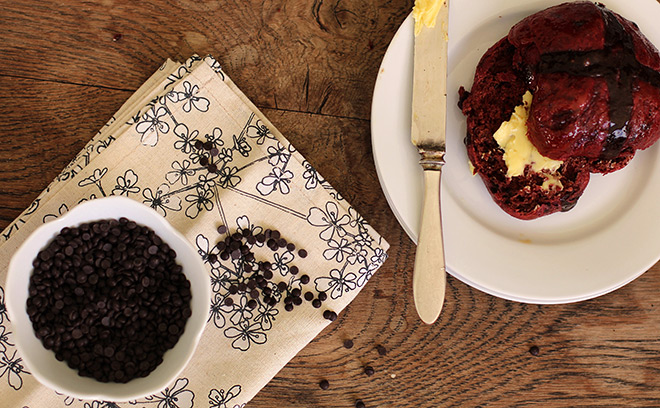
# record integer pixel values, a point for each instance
(146, 152)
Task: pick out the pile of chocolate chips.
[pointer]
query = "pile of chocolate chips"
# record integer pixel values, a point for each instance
(109, 299)
(257, 277)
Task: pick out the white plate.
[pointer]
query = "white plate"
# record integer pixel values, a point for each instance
(611, 236)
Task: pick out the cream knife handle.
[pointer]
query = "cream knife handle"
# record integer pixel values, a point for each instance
(429, 274)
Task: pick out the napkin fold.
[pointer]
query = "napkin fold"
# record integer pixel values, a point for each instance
(150, 151)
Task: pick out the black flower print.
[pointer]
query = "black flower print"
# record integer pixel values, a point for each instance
(204, 248)
(218, 310)
(245, 334)
(244, 225)
(200, 200)
(60, 211)
(12, 368)
(176, 397)
(186, 142)
(277, 179)
(282, 261)
(180, 172)
(215, 66)
(358, 254)
(126, 184)
(94, 178)
(379, 257)
(174, 77)
(240, 311)
(278, 154)
(225, 155)
(313, 178)
(161, 200)
(229, 177)
(215, 138)
(151, 125)
(328, 219)
(366, 273)
(220, 399)
(266, 316)
(260, 132)
(242, 146)
(3, 308)
(189, 97)
(101, 404)
(4, 340)
(337, 283)
(337, 250)
(206, 182)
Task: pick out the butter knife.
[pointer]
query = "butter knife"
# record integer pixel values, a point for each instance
(429, 105)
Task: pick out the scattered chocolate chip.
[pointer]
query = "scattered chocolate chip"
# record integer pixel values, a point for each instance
(229, 301)
(208, 145)
(381, 350)
(252, 304)
(369, 370)
(204, 160)
(302, 253)
(330, 315)
(324, 384)
(322, 296)
(359, 404)
(309, 296)
(534, 350)
(198, 144)
(348, 343)
(282, 286)
(316, 303)
(288, 307)
(304, 279)
(293, 270)
(290, 247)
(117, 37)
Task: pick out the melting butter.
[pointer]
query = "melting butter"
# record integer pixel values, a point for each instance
(425, 13)
(519, 152)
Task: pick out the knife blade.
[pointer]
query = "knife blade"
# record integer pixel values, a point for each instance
(429, 111)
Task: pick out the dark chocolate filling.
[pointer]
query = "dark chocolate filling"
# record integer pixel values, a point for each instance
(617, 64)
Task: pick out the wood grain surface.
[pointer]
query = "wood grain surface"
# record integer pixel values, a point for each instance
(310, 65)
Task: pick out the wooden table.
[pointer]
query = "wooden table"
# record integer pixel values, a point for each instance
(310, 65)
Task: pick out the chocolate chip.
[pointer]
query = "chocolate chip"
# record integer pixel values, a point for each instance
(359, 404)
(322, 296)
(293, 270)
(534, 350)
(381, 350)
(324, 384)
(302, 253)
(316, 303)
(252, 304)
(304, 279)
(229, 301)
(208, 145)
(282, 286)
(204, 161)
(348, 343)
(369, 371)
(309, 296)
(296, 292)
(330, 315)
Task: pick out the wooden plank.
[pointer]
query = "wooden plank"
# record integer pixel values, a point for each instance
(305, 56)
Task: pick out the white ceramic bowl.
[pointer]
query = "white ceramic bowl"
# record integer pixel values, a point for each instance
(56, 374)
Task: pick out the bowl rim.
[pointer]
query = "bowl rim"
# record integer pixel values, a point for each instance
(90, 211)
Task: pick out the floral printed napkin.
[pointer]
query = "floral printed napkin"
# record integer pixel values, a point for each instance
(151, 152)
